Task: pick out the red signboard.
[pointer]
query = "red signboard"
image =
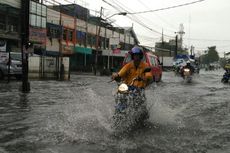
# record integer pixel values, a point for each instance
(117, 51)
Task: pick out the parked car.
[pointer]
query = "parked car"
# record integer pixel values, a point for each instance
(11, 67)
(153, 61)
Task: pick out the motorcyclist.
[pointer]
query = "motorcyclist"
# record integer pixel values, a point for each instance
(134, 69)
(227, 71)
(188, 66)
(227, 68)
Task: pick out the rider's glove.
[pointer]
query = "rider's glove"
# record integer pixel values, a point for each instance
(139, 78)
(116, 77)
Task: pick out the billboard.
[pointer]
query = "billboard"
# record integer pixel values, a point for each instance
(115, 45)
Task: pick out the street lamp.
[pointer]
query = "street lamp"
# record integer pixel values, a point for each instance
(98, 33)
(120, 13)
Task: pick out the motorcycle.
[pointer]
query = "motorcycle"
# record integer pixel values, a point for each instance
(187, 75)
(226, 77)
(130, 105)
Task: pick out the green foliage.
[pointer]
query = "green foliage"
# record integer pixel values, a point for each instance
(211, 56)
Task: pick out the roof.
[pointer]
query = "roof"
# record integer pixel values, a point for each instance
(72, 10)
(131, 30)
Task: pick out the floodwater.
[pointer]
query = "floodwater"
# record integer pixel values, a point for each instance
(76, 116)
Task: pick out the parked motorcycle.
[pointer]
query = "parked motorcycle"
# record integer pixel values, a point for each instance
(130, 105)
(226, 77)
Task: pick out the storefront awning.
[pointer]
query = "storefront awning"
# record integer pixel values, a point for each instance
(83, 50)
(46, 53)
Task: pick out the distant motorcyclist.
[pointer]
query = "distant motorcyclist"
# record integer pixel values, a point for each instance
(227, 67)
(135, 69)
(226, 75)
(188, 66)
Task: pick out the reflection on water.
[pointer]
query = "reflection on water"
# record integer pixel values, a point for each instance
(65, 117)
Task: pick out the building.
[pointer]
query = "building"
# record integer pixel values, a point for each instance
(91, 39)
(9, 27)
(64, 35)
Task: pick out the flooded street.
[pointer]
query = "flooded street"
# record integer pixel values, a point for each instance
(75, 116)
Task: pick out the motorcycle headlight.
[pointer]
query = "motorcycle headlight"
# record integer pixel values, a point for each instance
(186, 70)
(123, 88)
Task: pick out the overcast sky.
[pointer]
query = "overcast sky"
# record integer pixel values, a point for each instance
(206, 23)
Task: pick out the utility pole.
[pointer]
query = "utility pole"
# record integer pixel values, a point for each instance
(25, 10)
(176, 46)
(162, 48)
(97, 43)
(192, 50)
(61, 66)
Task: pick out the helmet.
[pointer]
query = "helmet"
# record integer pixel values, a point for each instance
(188, 62)
(137, 51)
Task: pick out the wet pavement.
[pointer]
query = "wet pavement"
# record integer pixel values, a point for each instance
(76, 116)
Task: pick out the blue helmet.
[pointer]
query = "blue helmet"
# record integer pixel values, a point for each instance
(136, 50)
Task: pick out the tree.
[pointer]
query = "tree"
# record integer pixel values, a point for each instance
(210, 56)
(213, 54)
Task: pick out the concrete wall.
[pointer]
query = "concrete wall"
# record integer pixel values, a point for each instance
(92, 28)
(34, 67)
(53, 16)
(49, 69)
(67, 21)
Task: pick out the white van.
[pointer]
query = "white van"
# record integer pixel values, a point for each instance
(12, 68)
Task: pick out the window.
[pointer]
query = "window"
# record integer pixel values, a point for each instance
(39, 9)
(53, 33)
(107, 42)
(37, 14)
(33, 7)
(2, 22)
(43, 10)
(157, 61)
(152, 60)
(70, 35)
(64, 34)
(81, 36)
(128, 58)
(89, 40)
(32, 19)
(94, 40)
(39, 21)
(43, 22)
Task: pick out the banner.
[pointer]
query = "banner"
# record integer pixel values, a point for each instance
(2, 45)
(117, 51)
(4, 57)
(37, 35)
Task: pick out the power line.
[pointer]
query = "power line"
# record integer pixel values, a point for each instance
(166, 8)
(196, 39)
(163, 20)
(135, 19)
